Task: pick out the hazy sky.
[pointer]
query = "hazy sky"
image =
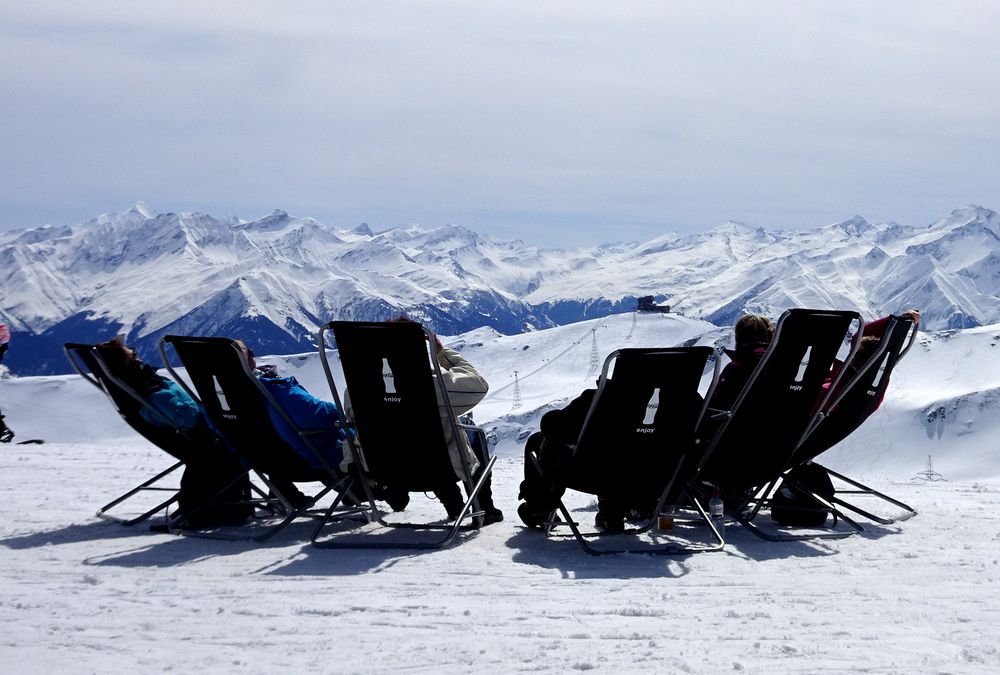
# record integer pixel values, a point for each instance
(553, 122)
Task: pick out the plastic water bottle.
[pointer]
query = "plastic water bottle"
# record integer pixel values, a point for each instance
(716, 511)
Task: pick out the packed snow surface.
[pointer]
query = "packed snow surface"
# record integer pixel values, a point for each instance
(81, 595)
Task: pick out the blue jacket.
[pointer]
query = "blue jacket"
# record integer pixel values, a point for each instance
(309, 414)
(175, 404)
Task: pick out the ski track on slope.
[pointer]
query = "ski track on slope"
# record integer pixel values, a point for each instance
(82, 595)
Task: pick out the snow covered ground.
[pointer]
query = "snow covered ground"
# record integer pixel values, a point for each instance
(83, 596)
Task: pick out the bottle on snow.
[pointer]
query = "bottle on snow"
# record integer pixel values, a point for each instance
(716, 511)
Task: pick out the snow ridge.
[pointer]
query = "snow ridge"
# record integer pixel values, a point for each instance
(279, 277)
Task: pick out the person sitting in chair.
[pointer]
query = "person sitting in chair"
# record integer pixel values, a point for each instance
(752, 333)
(871, 339)
(214, 482)
(554, 446)
(308, 413)
(170, 404)
(465, 388)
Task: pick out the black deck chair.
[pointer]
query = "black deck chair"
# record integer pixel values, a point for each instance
(750, 446)
(178, 443)
(638, 441)
(236, 404)
(395, 386)
(858, 397)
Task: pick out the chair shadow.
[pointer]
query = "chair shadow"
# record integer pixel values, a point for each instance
(75, 533)
(317, 561)
(532, 547)
(746, 544)
(147, 548)
(528, 546)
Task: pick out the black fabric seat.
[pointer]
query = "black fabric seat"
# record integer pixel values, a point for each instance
(184, 445)
(751, 445)
(238, 405)
(402, 420)
(636, 446)
(858, 396)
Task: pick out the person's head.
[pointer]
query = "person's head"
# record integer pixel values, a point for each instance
(866, 347)
(119, 358)
(753, 329)
(246, 352)
(402, 318)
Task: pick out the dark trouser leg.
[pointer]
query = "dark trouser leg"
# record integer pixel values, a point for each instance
(491, 514)
(289, 491)
(610, 513)
(5, 433)
(451, 497)
(485, 492)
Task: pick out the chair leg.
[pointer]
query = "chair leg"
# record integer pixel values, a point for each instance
(748, 518)
(449, 530)
(146, 486)
(861, 489)
(175, 525)
(584, 538)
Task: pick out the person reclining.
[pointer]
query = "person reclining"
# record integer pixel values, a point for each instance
(313, 415)
(209, 468)
(559, 431)
(554, 445)
(465, 387)
(174, 405)
(871, 338)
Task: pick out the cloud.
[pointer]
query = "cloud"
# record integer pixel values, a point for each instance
(514, 118)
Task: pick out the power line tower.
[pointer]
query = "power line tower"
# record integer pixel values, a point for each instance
(929, 474)
(516, 402)
(595, 358)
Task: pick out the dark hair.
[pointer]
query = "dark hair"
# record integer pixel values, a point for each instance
(124, 364)
(116, 356)
(753, 329)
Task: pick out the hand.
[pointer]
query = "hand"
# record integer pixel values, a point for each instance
(914, 314)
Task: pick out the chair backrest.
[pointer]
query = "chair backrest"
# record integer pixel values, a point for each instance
(86, 360)
(860, 392)
(236, 403)
(778, 405)
(641, 421)
(398, 401)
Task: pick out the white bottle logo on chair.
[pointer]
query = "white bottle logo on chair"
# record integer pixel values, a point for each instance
(221, 394)
(879, 375)
(651, 407)
(799, 376)
(388, 377)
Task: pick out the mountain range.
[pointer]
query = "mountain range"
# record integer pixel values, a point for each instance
(276, 279)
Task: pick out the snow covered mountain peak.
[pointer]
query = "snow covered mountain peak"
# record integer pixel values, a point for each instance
(279, 277)
(137, 213)
(856, 226)
(969, 214)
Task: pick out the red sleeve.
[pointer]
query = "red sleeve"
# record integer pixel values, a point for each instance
(876, 327)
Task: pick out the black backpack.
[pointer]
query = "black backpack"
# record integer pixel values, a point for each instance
(791, 503)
